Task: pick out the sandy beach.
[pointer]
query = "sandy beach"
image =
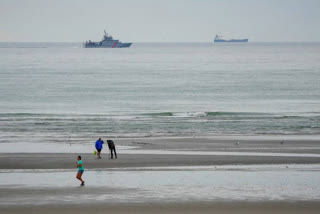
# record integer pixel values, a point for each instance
(201, 178)
(67, 161)
(174, 151)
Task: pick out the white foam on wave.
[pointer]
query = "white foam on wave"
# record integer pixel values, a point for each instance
(190, 114)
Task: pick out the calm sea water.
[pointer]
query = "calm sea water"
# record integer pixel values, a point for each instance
(59, 91)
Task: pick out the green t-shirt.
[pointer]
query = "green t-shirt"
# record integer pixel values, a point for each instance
(80, 167)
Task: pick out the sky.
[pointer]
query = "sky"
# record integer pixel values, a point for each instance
(159, 20)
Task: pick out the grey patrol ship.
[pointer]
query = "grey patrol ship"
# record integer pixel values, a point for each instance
(106, 42)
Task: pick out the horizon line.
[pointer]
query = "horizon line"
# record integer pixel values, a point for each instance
(170, 42)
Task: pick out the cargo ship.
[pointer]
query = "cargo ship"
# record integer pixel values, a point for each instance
(220, 39)
(106, 42)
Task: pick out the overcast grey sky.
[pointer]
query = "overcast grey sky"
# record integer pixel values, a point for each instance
(159, 20)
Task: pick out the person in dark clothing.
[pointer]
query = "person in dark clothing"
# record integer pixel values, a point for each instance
(112, 148)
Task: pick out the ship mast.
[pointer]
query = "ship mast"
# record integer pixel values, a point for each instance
(105, 36)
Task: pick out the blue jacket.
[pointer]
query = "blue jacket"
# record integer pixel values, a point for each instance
(99, 144)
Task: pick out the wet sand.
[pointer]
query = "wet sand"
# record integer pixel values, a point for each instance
(282, 207)
(132, 158)
(67, 161)
(54, 160)
(274, 144)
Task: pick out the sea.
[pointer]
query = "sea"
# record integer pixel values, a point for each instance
(57, 92)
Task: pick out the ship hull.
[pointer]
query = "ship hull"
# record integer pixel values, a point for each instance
(232, 40)
(114, 45)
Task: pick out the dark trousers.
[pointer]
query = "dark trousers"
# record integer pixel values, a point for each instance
(113, 151)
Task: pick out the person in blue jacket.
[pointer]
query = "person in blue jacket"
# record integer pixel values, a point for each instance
(99, 146)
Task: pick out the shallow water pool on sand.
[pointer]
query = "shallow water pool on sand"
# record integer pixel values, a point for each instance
(180, 185)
